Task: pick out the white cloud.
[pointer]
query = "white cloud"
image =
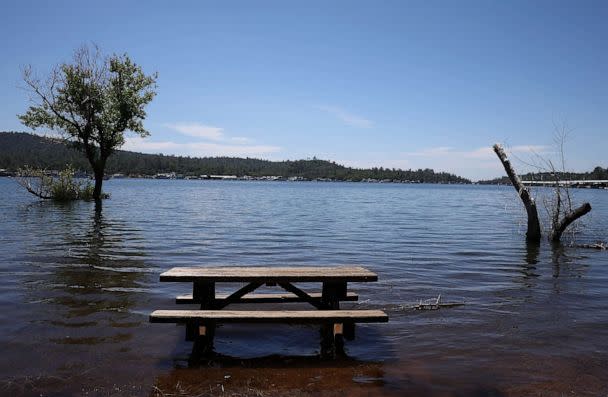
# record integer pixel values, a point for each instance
(198, 130)
(240, 140)
(197, 149)
(212, 142)
(347, 118)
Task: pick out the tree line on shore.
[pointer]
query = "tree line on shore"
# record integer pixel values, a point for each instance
(598, 173)
(18, 149)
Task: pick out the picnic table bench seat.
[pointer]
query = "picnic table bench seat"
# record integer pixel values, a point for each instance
(270, 316)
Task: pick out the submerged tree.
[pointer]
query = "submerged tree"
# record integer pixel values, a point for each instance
(61, 187)
(533, 233)
(559, 207)
(92, 102)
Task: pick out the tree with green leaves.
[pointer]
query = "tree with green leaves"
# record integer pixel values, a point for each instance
(91, 102)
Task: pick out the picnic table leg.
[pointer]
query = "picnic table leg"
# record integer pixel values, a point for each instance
(202, 333)
(332, 342)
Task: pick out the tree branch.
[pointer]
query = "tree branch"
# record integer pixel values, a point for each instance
(24, 181)
(570, 217)
(46, 101)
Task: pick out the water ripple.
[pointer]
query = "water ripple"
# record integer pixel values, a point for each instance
(78, 282)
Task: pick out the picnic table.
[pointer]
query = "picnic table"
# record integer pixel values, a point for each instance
(335, 323)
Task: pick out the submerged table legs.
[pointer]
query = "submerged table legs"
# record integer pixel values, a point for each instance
(332, 341)
(332, 334)
(202, 333)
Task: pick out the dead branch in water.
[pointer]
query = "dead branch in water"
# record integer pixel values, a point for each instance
(561, 225)
(533, 233)
(600, 245)
(37, 182)
(432, 304)
(559, 207)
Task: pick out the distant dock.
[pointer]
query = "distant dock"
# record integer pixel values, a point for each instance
(588, 184)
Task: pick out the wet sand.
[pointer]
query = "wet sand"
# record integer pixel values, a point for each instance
(311, 376)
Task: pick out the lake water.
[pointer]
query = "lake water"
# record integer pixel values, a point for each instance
(78, 285)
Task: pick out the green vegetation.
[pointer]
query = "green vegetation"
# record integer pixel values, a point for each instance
(91, 102)
(60, 187)
(20, 149)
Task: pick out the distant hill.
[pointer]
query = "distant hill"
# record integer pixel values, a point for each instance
(18, 149)
(598, 173)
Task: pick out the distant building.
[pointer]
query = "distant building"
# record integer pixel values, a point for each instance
(166, 175)
(223, 177)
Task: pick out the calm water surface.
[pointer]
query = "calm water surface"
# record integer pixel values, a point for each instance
(77, 285)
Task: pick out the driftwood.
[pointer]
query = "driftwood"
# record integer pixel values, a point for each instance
(600, 245)
(533, 233)
(432, 304)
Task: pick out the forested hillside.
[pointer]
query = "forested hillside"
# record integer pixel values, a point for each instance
(20, 149)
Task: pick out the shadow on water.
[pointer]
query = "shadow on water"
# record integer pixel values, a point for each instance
(229, 371)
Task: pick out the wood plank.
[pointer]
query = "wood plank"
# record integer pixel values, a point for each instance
(289, 287)
(269, 316)
(269, 274)
(264, 298)
(235, 296)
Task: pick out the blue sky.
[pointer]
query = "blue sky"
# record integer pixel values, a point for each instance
(404, 84)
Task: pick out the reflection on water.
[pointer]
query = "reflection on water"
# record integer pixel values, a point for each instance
(558, 258)
(79, 280)
(68, 293)
(528, 267)
(532, 252)
(88, 280)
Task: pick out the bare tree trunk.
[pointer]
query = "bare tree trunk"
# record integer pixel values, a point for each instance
(99, 166)
(533, 233)
(570, 217)
(98, 171)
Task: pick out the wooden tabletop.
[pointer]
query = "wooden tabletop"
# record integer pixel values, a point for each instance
(269, 274)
